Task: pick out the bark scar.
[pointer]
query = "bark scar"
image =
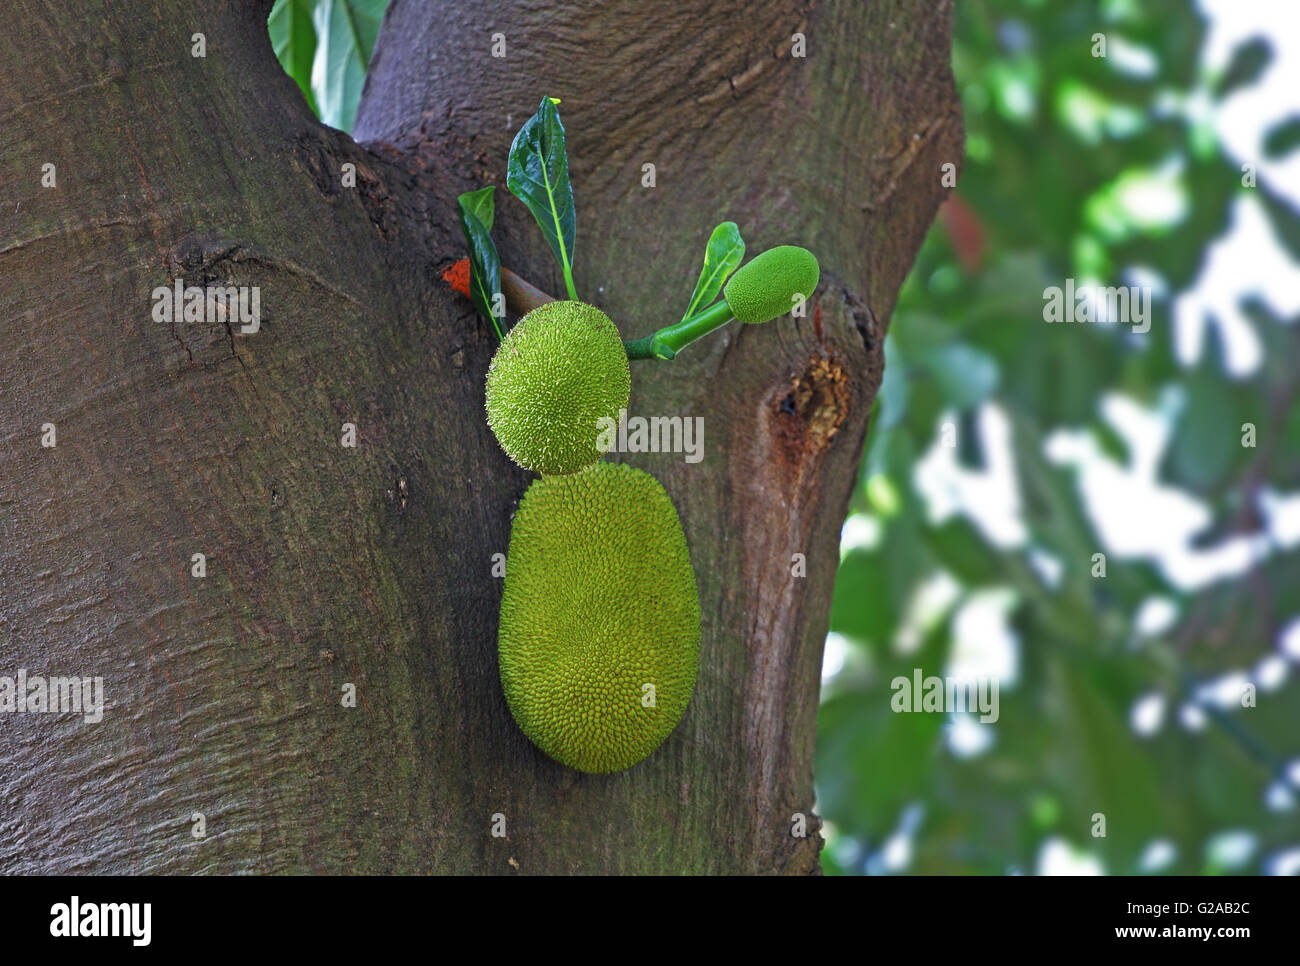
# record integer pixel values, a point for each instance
(808, 414)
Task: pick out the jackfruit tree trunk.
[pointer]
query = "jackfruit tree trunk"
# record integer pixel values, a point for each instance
(227, 744)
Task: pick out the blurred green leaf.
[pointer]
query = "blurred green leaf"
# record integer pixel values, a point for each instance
(293, 38)
(345, 36)
(872, 760)
(965, 375)
(1282, 138)
(960, 548)
(1249, 61)
(1208, 436)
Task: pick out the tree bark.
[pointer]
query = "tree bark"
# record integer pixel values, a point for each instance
(329, 565)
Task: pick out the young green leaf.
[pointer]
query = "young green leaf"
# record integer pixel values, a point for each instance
(477, 211)
(294, 40)
(537, 173)
(725, 252)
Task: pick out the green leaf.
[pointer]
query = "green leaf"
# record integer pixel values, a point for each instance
(1209, 434)
(1282, 138)
(892, 397)
(871, 760)
(537, 173)
(1248, 64)
(725, 252)
(1101, 768)
(961, 549)
(294, 40)
(346, 32)
(477, 211)
(1111, 443)
(966, 376)
(480, 204)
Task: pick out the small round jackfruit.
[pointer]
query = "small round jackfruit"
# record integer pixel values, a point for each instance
(600, 617)
(557, 373)
(764, 288)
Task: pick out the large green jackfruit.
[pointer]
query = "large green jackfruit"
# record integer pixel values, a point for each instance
(600, 617)
(557, 373)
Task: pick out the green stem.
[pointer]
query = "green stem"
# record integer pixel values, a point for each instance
(671, 339)
(568, 277)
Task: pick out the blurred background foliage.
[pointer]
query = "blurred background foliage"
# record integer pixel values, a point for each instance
(1006, 452)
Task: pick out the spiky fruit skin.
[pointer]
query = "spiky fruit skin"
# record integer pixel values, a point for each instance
(599, 601)
(555, 375)
(763, 288)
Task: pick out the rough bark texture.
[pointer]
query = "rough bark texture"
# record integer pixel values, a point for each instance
(372, 565)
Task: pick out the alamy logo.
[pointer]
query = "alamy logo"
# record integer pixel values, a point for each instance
(226, 304)
(75, 919)
(1129, 305)
(936, 694)
(658, 434)
(25, 694)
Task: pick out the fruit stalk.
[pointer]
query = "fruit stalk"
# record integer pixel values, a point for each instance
(521, 296)
(671, 339)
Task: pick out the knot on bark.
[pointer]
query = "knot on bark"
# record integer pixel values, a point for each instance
(322, 155)
(811, 409)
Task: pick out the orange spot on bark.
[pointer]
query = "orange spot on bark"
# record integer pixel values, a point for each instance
(457, 276)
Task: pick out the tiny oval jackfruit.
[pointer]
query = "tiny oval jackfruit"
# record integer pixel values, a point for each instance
(600, 618)
(556, 374)
(764, 288)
